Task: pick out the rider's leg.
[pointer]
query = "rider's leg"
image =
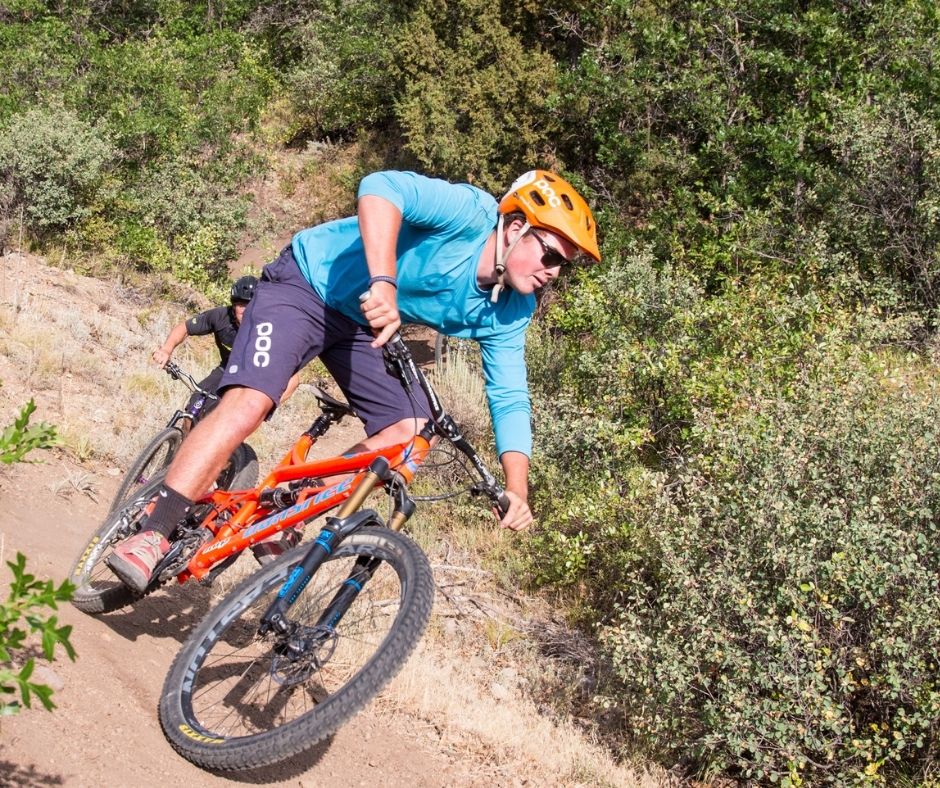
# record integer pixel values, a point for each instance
(199, 461)
(400, 432)
(207, 448)
(279, 333)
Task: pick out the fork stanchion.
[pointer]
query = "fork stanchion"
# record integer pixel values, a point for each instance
(377, 473)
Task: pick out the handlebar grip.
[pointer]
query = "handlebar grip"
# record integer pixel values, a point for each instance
(502, 504)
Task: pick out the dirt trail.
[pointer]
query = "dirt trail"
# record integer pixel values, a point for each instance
(105, 729)
(461, 712)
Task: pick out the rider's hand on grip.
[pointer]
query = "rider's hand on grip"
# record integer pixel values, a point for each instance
(379, 306)
(516, 516)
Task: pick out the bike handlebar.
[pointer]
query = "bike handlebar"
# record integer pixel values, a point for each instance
(174, 371)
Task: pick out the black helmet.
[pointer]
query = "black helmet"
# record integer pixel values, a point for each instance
(244, 289)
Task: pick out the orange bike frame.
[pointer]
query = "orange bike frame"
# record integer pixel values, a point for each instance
(251, 522)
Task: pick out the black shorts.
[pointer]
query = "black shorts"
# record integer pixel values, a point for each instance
(287, 324)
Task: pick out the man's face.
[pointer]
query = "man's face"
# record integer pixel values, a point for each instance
(537, 259)
(238, 308)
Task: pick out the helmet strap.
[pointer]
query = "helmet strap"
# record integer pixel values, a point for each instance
(502, 257)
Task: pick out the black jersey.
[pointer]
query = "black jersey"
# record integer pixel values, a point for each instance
(220, 322)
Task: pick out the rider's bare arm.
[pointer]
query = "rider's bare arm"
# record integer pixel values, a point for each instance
(175, 338)
(516, 470)
(379, 224)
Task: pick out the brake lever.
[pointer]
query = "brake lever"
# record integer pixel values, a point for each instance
(502, 505)
(496, 494)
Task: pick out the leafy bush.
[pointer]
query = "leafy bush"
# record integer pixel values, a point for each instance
(18, 439)
(38, 56)
(53, 165)
(888, 211)
(28, 596)
(174, 93)
(476, 96)
(340, 80)
(778, 617)
(183, 217)
(723, 133)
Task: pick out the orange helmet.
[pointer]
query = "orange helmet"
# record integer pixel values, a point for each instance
(549, 201)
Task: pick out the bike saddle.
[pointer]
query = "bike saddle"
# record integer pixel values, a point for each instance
(331, 404)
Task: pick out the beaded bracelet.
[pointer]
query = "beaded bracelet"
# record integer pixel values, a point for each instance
(390, 279)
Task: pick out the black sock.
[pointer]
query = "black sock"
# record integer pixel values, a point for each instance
(166, 509)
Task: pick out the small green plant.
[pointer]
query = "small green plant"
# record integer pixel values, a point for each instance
(28, 598)
(18, 439)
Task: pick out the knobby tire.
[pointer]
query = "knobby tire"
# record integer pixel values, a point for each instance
(230, 702)
(241, 471)
(97, 588)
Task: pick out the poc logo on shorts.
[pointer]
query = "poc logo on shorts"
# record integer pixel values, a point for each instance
(262, 357)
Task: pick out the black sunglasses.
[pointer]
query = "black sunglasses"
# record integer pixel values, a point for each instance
(551, 257)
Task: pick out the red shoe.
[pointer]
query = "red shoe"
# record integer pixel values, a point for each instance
(134, 559)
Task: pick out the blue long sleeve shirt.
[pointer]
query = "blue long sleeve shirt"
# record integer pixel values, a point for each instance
(444, 228)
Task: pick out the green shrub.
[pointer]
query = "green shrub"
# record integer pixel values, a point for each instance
(28, 600)
(52, 165)
(476, 97)
(168, 94)
(888, 212)
(28, 596)
(340, 81)
(38, 56)
(778, 616)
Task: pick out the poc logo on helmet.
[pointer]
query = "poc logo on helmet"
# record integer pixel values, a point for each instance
(548, 193)
(540, 183)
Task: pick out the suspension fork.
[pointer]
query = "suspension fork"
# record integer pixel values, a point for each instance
(364, 567)
(362, 571)
(336, 529)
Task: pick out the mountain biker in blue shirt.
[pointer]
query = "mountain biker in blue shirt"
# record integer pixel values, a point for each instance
(445, 255)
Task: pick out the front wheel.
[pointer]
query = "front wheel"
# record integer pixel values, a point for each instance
(236, 700)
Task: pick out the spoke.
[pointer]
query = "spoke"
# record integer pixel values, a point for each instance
(243, 687)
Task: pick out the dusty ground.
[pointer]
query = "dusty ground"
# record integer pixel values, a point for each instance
(105, 729)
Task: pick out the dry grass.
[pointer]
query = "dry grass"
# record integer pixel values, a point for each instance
(480, 679)
(459, 383)
(499, 729)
